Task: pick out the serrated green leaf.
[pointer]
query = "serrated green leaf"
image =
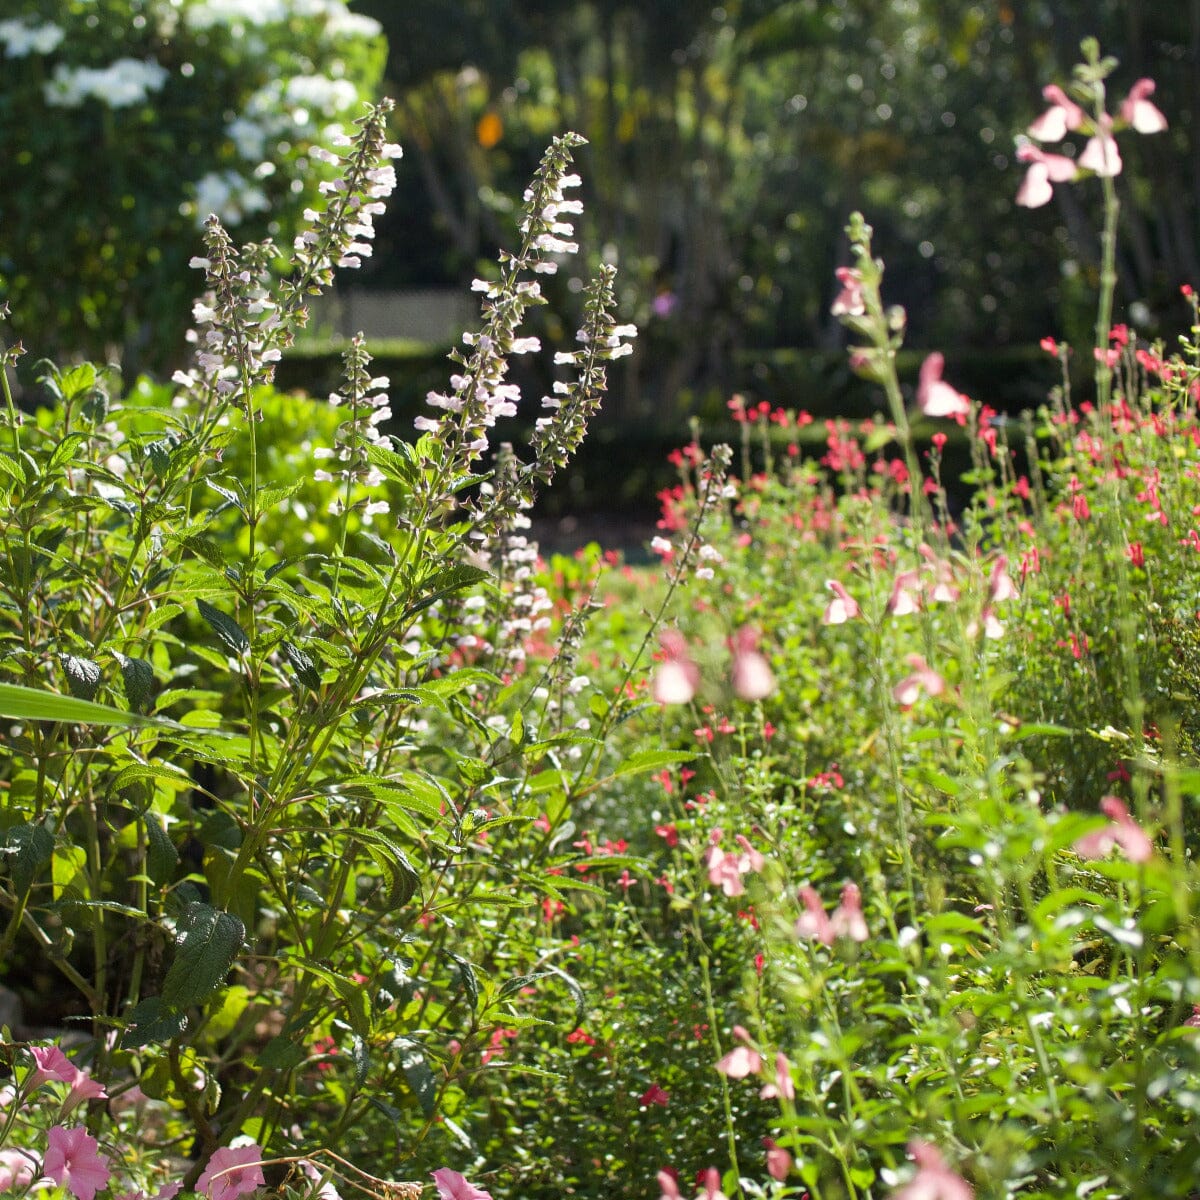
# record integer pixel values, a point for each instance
(64, 453)
(11, 469)
(138, 677)
(650, 760)
(161, 856)
(207, 941)
(152, 1021)
(26, 850)
(83, 676)
(225, 627)
(466, 973)
(304, 666)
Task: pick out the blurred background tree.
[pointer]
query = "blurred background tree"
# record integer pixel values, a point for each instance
(123, 123)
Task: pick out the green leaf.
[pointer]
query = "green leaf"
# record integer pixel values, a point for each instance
(650, 760)
(83, 676)
(400, 465)
(206, 943)
(303, 665)
(416, 1071)
(138, 677)
(161, 856)
(33, 704)
(281, 1054)
(225, 627)
(466, 972)
(66, 450)
(152, 1021)
(446, 583)
(28, 848)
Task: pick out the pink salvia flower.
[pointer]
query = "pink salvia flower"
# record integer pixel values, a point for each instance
(783, 1088)
(847, 919)
(1062, 116)
(453, 1186)
(712, 1185)
(231, 1172)
(842, 608)
(849, 301)
(750, 675)
(923, 679)
(73, 1160)
(668, 1185)
(905, 597)
(936, 398)
(1045, 170)
(1101, 154)
(740, 1062)
(779, 1161)
(813, 922)
(1137, 111)
(677, 677)
(933, 1180)
(1123, 832)
(1000, 584)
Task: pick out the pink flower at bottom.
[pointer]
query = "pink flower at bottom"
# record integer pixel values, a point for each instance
(750, 676)
(232, 1172)
(842, 608)
(779, 1161)
(668, 1185)
(1124, 832)
(677, 676)
(17, 1170)
(935, 397)
(933, 1180)
(847, 919)
(453, 1186)
(73, 1160)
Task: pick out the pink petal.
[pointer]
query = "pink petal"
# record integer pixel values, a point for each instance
(1101, 155)
(1035, 189)
(1137, 111)
(453, 1186)
(751, 676)
(740, 1062)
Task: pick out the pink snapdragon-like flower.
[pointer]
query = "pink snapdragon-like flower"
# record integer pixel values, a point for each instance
(1059, 119)
(711, 1183)
(906, 595)
(740, 1062)
(677, 677)
(935, 397)
(1045, 170)
(1000, 584)
(933, 1180)
(668, 1185)
(783, 1088)
(849, 301)
(750, 676)
(453, 1186)
(726, 867)
(1123, 832)
(847, 920)
(779, 1161)
(1138, 112)
(232, 1171)
(813, 923)
(1101, 154)
(923, 678)
(842, 608)
(73, 1160)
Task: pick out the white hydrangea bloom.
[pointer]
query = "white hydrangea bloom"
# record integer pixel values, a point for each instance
(126, 82)
(21, 39)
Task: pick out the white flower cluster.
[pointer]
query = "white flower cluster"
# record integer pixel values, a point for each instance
(339, 21)
(126, 82)
(229, 195)
(21, 39)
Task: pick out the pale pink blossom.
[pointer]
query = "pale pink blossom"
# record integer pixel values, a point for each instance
(1101, 155)
(73, 1160)
(712, 1185)
(923, 678)
(783, 1088)
(740, 1062)
(1123, 832)
(750, 675)
(933, 1180)
(849, 301)
(842, 608)
(1044, 171)
(779, 1161)
(453, 1186)
(905, 597)
(726, 867)
(83, 1089)
(677, 677)
(847, 919)
(1000, 584)
(231, 1172)
(935, 397)
(1061, 117)
(17, 1170)
(1137, 111)
(668, 1186)
(813, 922)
